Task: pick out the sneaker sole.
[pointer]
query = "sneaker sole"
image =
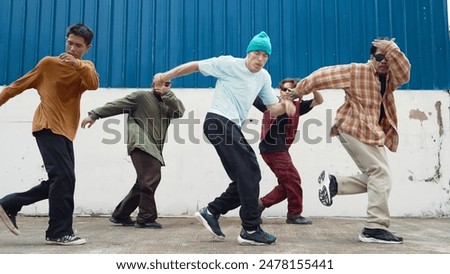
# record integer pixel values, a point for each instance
(147, 227)
(77, 242)
(296, 223)
(365, 239)
(243, 241)
(122, 224)
(200, 218)
(8, 222)
(324, 190)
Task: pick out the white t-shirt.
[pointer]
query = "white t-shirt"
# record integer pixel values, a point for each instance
(236, 87)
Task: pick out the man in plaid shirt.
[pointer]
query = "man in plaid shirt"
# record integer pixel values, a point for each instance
(365, 123)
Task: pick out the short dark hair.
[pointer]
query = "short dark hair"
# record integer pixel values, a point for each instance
(287, 80)
(82, 31)
(373, 49)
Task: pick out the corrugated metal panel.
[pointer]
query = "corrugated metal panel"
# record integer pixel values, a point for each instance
(136, 38)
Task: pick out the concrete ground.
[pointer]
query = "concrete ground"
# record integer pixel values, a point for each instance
(184, 235)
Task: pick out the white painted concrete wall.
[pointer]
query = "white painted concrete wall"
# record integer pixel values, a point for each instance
(194, 176)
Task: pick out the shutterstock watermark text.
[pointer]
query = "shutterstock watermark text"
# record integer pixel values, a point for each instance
(189, 130)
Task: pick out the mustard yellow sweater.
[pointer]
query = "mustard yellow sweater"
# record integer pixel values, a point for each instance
(60, 87)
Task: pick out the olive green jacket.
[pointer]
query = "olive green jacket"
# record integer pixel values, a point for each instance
(149, 117)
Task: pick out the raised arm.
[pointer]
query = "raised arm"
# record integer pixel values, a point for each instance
(181, 70)
(284, 106)
(173, 102)
(119, 106)
(317, 100)
(89, 75)
(399, 65)
(27, 81)
(331, 77)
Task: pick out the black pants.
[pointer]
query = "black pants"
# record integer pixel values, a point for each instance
(142, 194)
(58, 156)
(241, 165)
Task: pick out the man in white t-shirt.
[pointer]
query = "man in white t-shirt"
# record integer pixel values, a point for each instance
(239, 82)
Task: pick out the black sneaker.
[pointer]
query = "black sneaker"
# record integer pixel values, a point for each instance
(122, 221)
(259, 237)
(154, 225)
(376, 235)
(211, 222)
(327, 188)
(65, 240)
(298, 220)
(9, 220)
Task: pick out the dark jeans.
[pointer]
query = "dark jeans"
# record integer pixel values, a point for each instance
(241, 165)
(289, 183)
(58, 156)
(142, 194)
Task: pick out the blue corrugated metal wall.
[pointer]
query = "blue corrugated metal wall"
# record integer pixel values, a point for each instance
(136, 38)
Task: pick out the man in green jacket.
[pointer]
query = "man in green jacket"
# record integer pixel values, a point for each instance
(149, 116)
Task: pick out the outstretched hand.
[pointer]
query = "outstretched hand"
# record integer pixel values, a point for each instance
(87, 122)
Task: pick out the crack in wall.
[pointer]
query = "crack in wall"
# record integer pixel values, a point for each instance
(448, 92)
(443, 210)
(438, 172)
(421, 116)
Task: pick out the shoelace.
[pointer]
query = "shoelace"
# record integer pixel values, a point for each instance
(263, 234)
(69, 238)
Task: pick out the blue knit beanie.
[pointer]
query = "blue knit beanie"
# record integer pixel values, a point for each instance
(260, 42)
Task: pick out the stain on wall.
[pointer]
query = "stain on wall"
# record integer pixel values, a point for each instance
(418, 115)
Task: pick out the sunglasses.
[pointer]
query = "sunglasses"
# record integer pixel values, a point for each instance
(286, 89)
(166, 84)
(379, 57)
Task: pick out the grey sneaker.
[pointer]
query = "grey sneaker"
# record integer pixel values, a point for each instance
(211, 222)
(152, 225)
(300, 220)
(9, 220)
(376, 235)
(259, 237)
(65, 240)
